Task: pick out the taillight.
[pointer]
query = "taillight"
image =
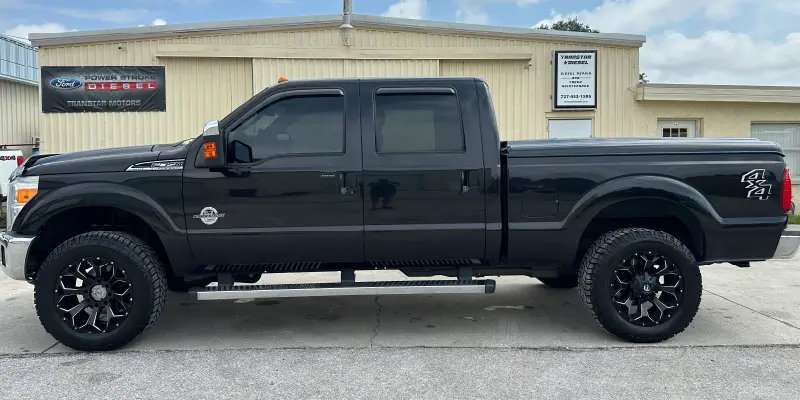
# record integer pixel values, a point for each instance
(786, 195)
(19, 160)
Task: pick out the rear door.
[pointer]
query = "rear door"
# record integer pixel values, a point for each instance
(423, 194)
(297, 199)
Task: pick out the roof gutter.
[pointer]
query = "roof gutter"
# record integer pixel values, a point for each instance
(330, 21)
(18, 80)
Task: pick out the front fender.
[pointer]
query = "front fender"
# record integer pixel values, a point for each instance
(642, 187)
(93, 194)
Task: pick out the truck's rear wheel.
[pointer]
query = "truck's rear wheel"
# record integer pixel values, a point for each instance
(100, 290)
(561, 282)
(641, 285)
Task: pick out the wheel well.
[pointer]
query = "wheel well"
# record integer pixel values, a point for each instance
(657, 214)
(79, 220)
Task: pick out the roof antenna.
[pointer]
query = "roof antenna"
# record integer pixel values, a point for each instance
(346, 28)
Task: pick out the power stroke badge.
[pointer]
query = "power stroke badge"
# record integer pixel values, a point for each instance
(757, 186)
(209, 215)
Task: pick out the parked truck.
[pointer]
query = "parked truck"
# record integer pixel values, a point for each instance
(404, 174)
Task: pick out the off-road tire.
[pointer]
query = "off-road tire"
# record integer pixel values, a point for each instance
(596, 272)
(139, 262)
(561, 282)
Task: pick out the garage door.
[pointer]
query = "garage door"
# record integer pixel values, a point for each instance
(266, 71)
(785, 134)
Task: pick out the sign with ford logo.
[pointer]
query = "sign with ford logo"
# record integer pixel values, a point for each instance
(66, 83)
(103, 89)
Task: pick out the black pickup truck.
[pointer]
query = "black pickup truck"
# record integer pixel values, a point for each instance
(403, 174)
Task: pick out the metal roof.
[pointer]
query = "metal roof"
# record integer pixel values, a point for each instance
(19, 61)
(328, 21)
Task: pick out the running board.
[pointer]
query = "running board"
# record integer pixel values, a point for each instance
(486, 286)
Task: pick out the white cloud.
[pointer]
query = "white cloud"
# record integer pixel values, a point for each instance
(21, 31)
(722, 57)
(414, 9)
(640, 16)
(471, 14)
(713, 57)
(788, 6)
(119, 16)
(520, 3)
(159, 21)
(474, 11)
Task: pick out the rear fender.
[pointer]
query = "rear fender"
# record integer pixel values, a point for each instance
(685, 202)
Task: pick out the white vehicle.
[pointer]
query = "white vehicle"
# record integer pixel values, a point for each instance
(9, 161)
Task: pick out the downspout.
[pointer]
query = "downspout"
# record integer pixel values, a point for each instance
(346, 29)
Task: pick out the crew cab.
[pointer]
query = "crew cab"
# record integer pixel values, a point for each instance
(406, 174)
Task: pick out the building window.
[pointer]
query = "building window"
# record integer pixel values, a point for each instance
(677, 129)
(295, 125)
(674, 132)
(787, 135)
(569, 128)
(418, 123)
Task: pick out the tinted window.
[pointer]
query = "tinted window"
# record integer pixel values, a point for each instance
(296, 125)
(417, 123)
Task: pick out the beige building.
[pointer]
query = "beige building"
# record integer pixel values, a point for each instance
(19, 95)
(19, 112)
(211, 68)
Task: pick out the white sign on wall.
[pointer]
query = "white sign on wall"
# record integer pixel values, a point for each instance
(575, 79)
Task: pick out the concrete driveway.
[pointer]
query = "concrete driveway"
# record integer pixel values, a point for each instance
(745, 313)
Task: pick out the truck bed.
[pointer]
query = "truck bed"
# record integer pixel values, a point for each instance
(559, 190)
(637, 146)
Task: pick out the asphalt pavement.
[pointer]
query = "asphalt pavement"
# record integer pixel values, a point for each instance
(524, 341)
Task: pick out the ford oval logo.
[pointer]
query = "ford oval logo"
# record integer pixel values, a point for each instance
(66, 83)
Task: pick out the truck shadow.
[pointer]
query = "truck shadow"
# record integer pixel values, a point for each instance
(517, 315)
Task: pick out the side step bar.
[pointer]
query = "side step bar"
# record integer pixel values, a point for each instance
(486, 286)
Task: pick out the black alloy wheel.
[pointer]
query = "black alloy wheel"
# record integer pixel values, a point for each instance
(647, 288)
(100, 290)
(641, 285)
(94, 295)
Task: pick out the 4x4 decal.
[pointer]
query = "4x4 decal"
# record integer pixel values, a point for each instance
(757, 186)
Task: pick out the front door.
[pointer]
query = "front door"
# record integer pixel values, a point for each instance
(296, 198)
(423, 195)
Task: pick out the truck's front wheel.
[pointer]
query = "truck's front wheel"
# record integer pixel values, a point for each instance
(641, 285)
(99, 290)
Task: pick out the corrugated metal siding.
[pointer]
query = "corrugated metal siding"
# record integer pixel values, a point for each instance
(203, 89)
(522, 92)
(198, 90)
(225, 84)
(618, 67)
(266, 71)
(19, 112)
(523, 109)
(18, 60)
(510, 84)
(715, 119)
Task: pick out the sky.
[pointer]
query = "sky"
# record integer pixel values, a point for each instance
(748, 42)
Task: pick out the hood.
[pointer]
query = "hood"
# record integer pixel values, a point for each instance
(103, 160)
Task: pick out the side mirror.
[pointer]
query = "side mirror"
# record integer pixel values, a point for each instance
(240, 152)
(213, 151)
